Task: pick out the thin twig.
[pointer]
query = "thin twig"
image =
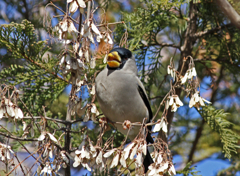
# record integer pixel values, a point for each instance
(55, 7)
(119, 22)
(19, 163)
(29, 113)
(23, 161)
(29, 152)
(210, 31)
(18, 138)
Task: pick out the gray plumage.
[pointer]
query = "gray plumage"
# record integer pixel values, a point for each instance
(119, 98)
(121, 95)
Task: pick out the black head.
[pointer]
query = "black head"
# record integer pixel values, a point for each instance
(123, 52)
(117, 57)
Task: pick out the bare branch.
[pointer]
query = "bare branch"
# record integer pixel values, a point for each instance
(210, 31)
(119, 22)
(15, 155)
(23, 161)
(169, 45)
(217, 60)
(18, 138)
(229, 11)
(195, 142)
(165, 45)
(30, 152)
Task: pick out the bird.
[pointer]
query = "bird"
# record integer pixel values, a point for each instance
(122, 96)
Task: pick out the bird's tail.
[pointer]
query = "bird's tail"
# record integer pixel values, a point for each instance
(148, 159)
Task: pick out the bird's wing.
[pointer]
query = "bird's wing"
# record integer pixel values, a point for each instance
(145, 100)
(143, 95)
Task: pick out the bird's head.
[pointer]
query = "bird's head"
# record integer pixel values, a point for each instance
(118, 57)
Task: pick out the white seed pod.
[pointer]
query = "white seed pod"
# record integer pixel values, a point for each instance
(105, 59)
(71, 27)
(90, 37)
(95, 30)
(139, 159)
(73, 7)
(189, 74)
(109, 153)
(157, 127)
(63, 25)
(10, 111)
(86, 54)
(174, 107)
(184, 78)
(178, 101)
(42, 136)
(169, 68)
(99, 158)
(170, 100)
(164, 126)
(2, 111)
(24, 125)
(81, 3)
(93, 62)
(52, 137)
(115, 161)
(134, 151)
(127, 149)
(93, 109)
(108, 39)
(62, 60)
(98, 39)
(76, 46)
(18, 113)
(122, 159)
(201, 101)
(194, 73)
(172, 170)
(196, 97)
(93, 91)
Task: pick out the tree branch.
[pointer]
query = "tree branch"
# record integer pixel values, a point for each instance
(210, 31)
(195, 142)
(23, 161)
(219, 60)
(168, 45)
(30, 153)
(27, 10)
(229, 11)
(165, 45)
(18, 138)
(47, 118)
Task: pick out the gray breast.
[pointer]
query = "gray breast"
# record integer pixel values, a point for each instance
(118, 96)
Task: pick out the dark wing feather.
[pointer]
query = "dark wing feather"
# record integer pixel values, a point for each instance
(146, 102)
(148, 159)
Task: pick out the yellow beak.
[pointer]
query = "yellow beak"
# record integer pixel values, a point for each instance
(114, 60)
